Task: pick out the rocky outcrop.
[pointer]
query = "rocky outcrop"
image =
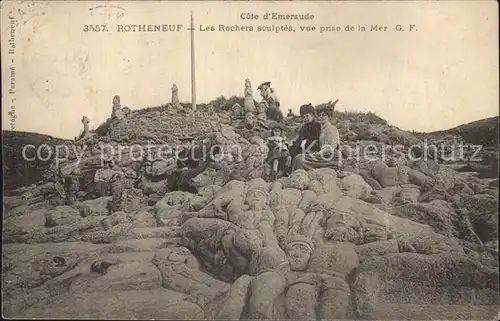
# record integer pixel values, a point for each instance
(205, 239)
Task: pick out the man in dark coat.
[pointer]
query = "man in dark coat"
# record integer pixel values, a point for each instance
(308, 136)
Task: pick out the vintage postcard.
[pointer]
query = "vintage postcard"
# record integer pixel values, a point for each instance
(298, 160)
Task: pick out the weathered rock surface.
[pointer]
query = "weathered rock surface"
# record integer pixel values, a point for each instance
(376, 239)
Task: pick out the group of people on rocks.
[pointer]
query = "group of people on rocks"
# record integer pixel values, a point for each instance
(317, 140)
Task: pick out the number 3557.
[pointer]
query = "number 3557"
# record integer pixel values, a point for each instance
(94, 28)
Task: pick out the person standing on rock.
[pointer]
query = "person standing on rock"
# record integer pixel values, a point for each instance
(86, 130)
(265, 92)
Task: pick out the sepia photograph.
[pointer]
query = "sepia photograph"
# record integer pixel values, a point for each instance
(265, 160)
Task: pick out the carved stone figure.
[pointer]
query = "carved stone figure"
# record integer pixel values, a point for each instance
(210, 109)
(301, 289)
(175, 95)
(290, 114)
(86, 131)
(248, 93)
(237, 110)
(117, 109)
(262, 110)
(313, 280)
(126, 111)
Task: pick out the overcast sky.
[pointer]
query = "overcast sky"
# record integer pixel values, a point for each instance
(443, 75)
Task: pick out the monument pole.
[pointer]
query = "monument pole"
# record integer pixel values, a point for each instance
(193, 74)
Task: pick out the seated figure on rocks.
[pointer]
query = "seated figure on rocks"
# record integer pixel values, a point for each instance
(329, 146)
(278, 151)
(307, 295)
(308, 135)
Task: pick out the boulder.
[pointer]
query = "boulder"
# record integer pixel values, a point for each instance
(209, 191)
(172, 199)
(299, 179)
(409, 285)
(322, 174)
(95, 207)
(418, 178)
(482, 210)
(387, 194)
(61, 215)
(355, 186)
(127, 200)
(169, 216)
(334, 258)
(308, 198)
(152, 304)
(390, 176)
(288, 197)
(235, 300)
(144, 218)
(409, 193)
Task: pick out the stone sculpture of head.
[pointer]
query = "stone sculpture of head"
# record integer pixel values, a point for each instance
(257, 199)
(147, 167)
(126, 111)
(342, 227)
(116, 100)
(237, 110)
(85, 120)
(248, 84)
(174, 88)
(298, 250)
